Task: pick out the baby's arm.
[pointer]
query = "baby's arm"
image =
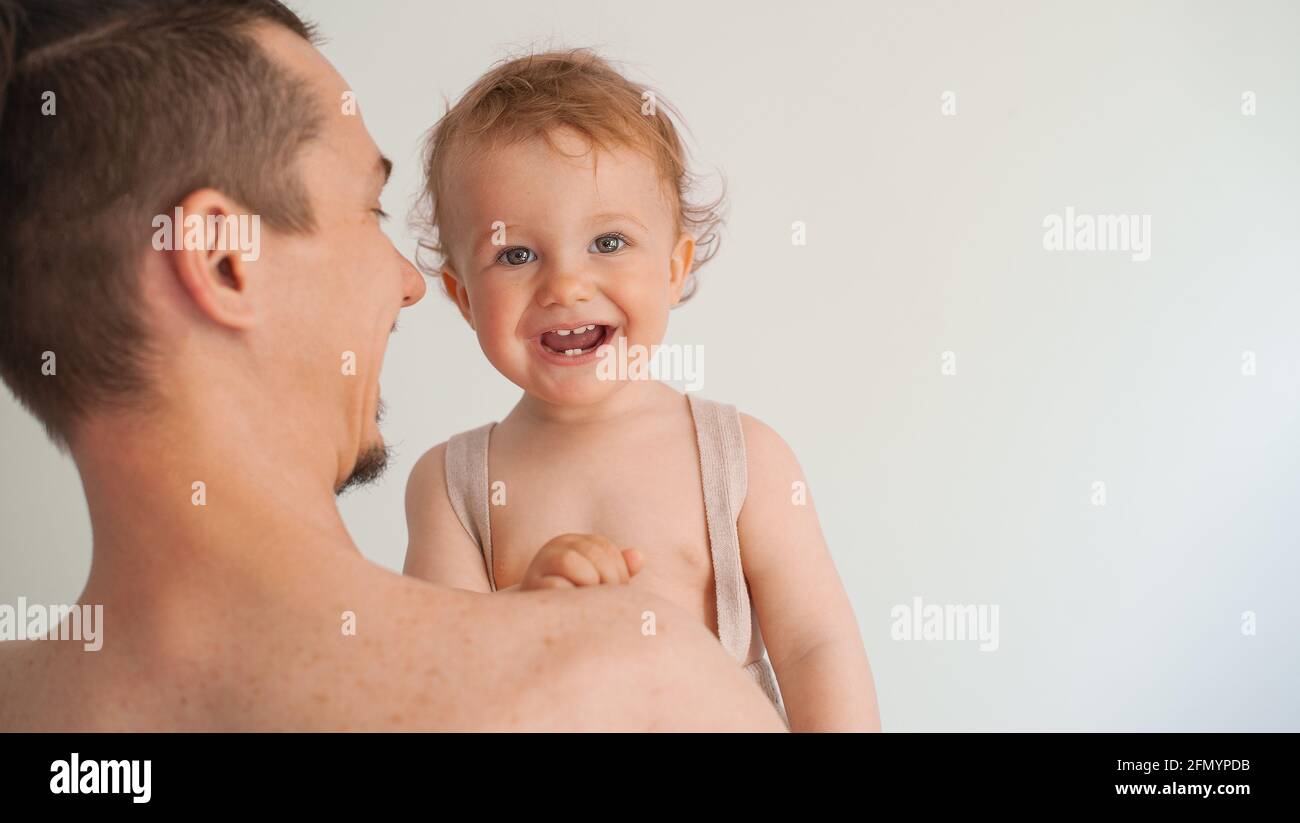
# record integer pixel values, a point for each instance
(439, 549)
(807, 622)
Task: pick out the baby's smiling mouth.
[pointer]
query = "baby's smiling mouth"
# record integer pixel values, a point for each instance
(575, 341)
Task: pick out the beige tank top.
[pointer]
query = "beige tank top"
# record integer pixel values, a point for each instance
(723, 473)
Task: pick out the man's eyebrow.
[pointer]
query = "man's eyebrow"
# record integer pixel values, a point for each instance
(385, 168)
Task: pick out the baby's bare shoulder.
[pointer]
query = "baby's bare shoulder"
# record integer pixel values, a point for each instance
(764, 447)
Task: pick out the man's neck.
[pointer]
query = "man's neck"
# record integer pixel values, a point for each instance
(196, 517)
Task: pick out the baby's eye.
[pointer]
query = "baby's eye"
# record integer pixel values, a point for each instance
(608, 244)
(516, 256)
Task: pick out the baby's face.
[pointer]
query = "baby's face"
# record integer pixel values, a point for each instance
(555, 254)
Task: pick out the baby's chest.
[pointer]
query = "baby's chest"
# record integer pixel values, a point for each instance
(655, 506)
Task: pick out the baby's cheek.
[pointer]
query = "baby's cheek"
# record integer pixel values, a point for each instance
(492, 343)
(648, 321)
(490, 321)
(504, 351)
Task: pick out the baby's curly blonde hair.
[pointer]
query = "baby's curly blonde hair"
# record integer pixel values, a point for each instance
(531, 96)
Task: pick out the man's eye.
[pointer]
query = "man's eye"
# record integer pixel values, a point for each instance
(516, 256)
(380, 213)
(608, 244)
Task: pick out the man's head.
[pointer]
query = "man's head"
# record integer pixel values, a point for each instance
(117, 113)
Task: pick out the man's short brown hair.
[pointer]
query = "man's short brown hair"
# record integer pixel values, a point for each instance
(111, 112)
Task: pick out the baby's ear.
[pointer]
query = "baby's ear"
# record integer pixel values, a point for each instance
(456, 291)
(679, 265)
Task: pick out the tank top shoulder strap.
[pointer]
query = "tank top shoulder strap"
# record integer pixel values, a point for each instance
(467, 488)
(724, 476)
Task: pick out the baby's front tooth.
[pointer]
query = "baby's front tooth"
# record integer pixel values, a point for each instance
(562, 332)
(572, 352)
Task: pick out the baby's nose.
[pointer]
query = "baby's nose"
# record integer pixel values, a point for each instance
(564, 287)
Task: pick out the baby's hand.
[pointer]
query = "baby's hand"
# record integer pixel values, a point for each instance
(580, 560)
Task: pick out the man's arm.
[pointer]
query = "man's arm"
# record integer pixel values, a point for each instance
(807, 621)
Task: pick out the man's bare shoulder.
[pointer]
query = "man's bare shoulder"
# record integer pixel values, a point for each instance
(387, 652)
(15, 678)
(593, 658)
(32, 682)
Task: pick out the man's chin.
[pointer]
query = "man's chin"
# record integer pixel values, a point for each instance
(369, 467)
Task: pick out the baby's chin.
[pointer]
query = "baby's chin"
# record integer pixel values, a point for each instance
(563, 386)
(580, 387)
(555, 383)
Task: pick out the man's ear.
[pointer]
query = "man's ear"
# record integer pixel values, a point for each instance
(211, 250)
(679, 265)
(456, 291)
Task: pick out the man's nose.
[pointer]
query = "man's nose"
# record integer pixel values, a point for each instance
(413, 286)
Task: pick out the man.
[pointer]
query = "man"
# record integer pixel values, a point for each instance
(215, 395)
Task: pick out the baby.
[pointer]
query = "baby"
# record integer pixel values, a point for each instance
(558, 194)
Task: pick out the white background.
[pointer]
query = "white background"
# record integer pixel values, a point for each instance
(924, 236)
